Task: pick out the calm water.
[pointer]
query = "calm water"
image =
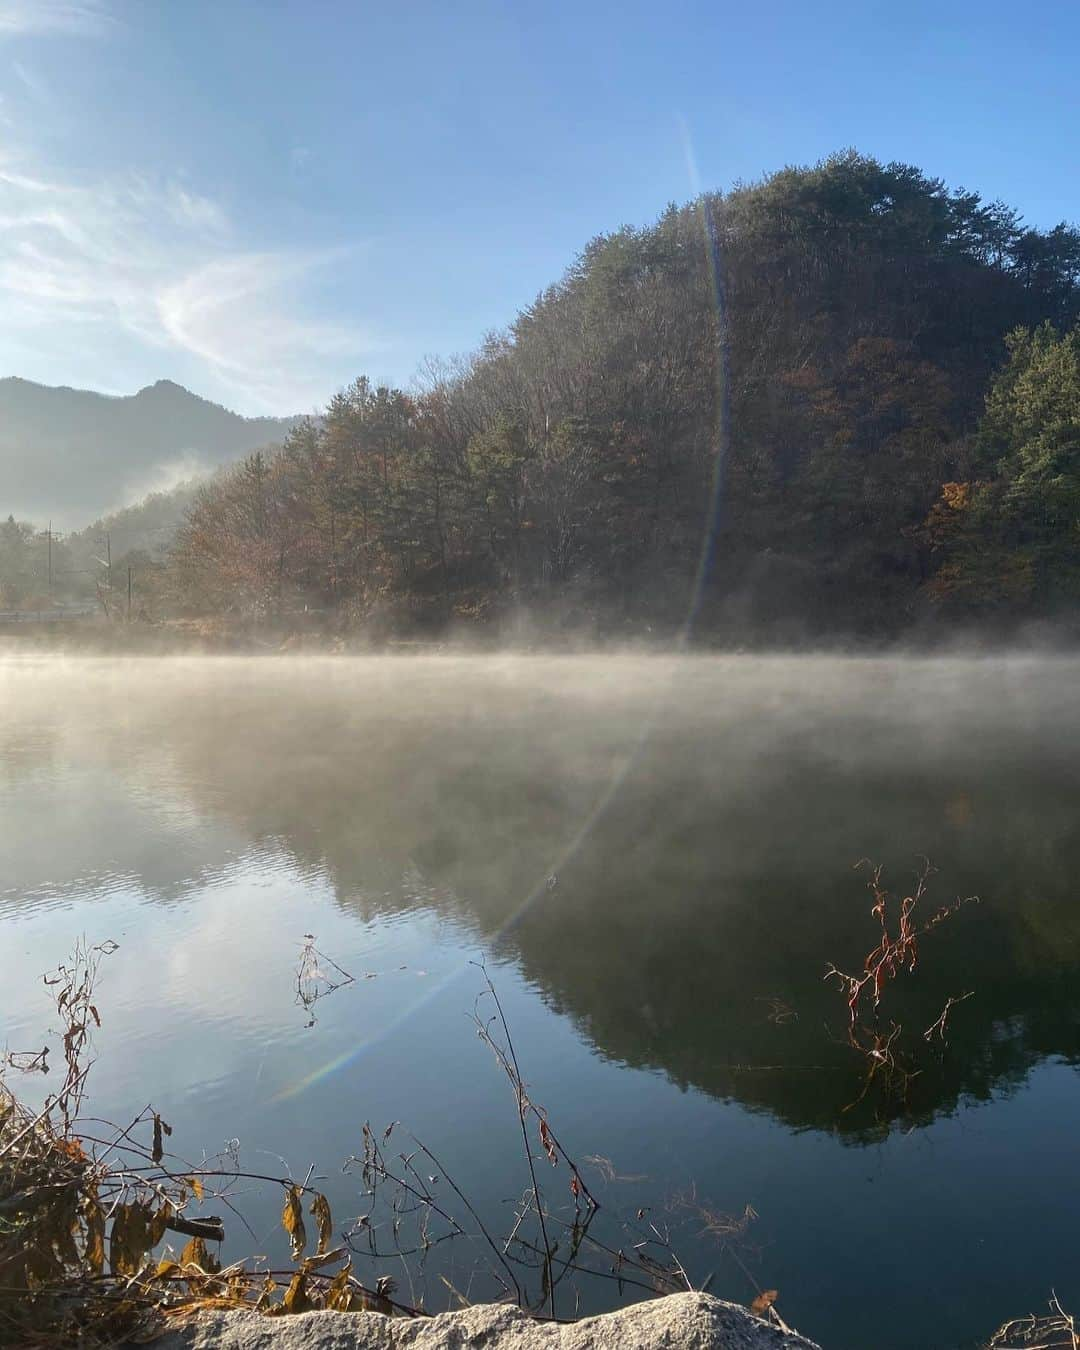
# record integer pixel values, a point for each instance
(698, 821)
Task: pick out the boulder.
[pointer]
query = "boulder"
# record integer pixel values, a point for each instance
(678, 1322)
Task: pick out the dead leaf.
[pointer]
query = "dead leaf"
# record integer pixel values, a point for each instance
(95, 1239)
(296, 1299)
(196, 1254)
(318, 1262)
(292, 1220)
(763, 1302)
(320, 1210)
(548, 1143)
(160, 1128)
(135, 1230)
(339, 1295)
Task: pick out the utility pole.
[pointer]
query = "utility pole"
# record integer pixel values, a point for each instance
(50, 563)
(105, 591)
(129, 595)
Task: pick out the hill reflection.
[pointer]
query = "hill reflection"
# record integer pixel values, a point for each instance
(718, 807)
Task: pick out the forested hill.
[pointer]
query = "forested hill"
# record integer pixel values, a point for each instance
(843, 400)
(71, 454)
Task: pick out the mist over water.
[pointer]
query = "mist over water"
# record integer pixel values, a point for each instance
(649, 851)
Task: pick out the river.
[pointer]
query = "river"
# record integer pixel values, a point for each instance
(655, 858)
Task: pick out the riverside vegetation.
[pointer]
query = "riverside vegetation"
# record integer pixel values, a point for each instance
(85, 1205)
(843, 400)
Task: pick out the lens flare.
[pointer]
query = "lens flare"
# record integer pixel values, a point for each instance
(712, 243)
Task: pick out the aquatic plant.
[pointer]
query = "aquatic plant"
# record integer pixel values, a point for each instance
(891, 1060)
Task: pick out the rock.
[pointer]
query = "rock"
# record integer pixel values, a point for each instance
(678, 1322)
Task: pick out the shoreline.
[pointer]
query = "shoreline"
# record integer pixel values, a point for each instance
(99, 636)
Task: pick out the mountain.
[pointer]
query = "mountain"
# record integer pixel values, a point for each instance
(71, 455)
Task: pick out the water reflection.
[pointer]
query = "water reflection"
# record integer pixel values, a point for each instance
(713, 881)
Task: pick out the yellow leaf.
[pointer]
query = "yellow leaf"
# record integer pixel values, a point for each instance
(195, 1254)
(292, 1220)
(95, 1239)
(338, 1295)
(196, 1188)
(296, 1299)
(157, 1225)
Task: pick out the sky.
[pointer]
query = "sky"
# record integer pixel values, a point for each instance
(262, 200)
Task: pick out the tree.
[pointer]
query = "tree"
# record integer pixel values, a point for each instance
(16, 543)
(775, 383)
(1012, 538)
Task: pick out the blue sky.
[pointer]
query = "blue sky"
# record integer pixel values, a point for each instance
(262, 200)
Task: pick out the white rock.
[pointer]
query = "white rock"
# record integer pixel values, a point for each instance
(678, 1322)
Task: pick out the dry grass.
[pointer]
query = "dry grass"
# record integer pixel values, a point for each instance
(1055, 1330)
(86, 1207)
(85, 1203)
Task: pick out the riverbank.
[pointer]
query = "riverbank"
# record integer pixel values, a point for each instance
(524, 631)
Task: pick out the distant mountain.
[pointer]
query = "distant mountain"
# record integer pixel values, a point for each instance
(73, 455)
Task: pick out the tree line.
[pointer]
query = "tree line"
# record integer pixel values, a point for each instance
(842, 399)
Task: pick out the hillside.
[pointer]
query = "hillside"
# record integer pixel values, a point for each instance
(842, 400)
(72, 455)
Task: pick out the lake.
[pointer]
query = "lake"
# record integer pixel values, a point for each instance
(656, 860)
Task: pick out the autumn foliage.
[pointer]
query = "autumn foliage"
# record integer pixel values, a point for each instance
(784, 405)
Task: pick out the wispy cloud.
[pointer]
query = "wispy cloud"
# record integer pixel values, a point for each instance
(145, 261)
(233, 312)
(32, 82)
(83, 17)
(163, 263)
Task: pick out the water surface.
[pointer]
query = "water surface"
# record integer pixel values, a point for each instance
(655, 859)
